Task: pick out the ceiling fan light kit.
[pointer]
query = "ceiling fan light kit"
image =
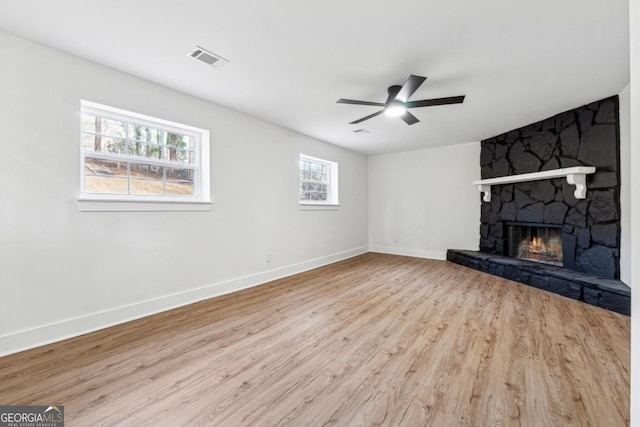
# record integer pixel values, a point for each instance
(398, 103)
(395, 109)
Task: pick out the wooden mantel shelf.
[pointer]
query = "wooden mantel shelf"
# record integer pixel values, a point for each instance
(575, 176)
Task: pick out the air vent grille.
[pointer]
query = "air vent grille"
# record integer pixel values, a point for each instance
(361, 131)
(207, 57)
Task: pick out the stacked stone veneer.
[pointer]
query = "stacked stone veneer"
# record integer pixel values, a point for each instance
(585, 136)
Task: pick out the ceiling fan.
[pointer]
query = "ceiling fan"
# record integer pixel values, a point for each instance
(398, 102)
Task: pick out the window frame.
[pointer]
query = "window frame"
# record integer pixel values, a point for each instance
(332, 202)
(200, 200)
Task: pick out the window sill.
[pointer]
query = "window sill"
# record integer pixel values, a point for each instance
(318, 207)
(87, 204)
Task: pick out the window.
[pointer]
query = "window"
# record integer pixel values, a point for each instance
(318, 181)
(130, 157)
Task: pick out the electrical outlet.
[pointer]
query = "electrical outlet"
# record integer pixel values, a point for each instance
(396, 239)
(268, 258)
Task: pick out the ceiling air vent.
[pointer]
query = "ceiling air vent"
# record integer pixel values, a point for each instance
(361, 131)
(209, 58)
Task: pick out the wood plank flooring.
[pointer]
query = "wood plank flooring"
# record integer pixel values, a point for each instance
(373, 340)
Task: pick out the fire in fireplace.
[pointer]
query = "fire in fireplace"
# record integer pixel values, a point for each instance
(535, 242)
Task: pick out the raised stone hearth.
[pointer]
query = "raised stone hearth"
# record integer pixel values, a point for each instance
(606, 293)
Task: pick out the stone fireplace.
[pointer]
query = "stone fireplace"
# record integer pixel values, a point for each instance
(538, 232)
(586, 136)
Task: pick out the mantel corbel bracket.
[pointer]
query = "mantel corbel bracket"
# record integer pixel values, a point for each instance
(580, 181)
(575, 176)
(486, 192)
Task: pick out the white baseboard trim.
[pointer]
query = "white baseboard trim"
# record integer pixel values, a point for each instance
(418, 253)
(54, 332)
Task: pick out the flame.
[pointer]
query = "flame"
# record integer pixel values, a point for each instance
(536, 245)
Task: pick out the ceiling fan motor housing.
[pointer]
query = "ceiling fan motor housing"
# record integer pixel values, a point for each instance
(393, 92)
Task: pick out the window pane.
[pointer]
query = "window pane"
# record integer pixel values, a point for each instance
(179, 156)
(141, 170)
(181, 175)
(102, 144)
(105, 185)
(103, 126)
(180, 189)
(93, 166)
(113, 128)
(150, 188)
(188, 141)
(111, 145)
(311, 191)
(89, 124)
(91, 142)
(177, 140)
(185, 142)
(144, 134)
(141, 149)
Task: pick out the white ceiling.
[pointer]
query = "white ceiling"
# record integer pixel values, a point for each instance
(516, 61)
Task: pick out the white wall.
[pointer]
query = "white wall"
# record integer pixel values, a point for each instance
(422, 203)
(57, 263)
(634, 12)
(625, 187)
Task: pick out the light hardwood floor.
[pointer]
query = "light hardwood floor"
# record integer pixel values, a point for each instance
(373, 340)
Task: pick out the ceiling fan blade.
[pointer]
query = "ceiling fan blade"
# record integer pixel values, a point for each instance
(409, 118)
(409, 87)
(367, 117)
(355, 102)
(436, 101)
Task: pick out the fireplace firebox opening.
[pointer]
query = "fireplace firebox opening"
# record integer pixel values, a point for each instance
(535, 242)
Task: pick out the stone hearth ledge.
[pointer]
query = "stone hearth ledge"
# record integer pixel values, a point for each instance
(610, 294)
